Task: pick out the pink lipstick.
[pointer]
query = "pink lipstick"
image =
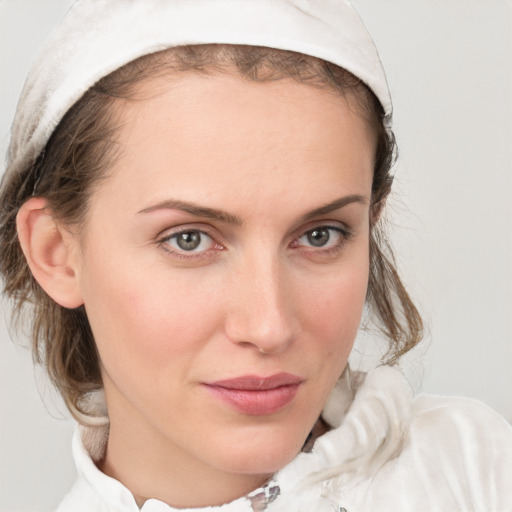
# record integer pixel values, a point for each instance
(254, 395)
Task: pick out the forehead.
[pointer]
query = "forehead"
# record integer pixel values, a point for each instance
(219, 133)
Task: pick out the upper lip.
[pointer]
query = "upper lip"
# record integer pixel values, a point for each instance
(258, 383)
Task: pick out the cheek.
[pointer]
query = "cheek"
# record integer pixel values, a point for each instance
(332, 310)
(147, 324)
(335, 303)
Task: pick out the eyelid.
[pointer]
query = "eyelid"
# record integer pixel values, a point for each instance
(324, 223)
(183, 228)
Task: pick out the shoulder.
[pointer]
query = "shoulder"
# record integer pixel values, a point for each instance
(463, 429)
(456, 411)
(456, 455)
(452, 453)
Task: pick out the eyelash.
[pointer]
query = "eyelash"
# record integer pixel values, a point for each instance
(343, 233)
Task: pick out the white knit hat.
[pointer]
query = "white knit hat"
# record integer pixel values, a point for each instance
(99, 36)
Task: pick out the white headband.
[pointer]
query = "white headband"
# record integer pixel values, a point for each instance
(99, 36)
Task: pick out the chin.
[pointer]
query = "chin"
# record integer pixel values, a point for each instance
(263, 454)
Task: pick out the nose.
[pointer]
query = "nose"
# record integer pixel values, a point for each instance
(261, 312)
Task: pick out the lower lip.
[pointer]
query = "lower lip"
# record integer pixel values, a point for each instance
(256, 402)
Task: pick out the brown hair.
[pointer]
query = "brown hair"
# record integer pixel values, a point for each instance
(78, 154)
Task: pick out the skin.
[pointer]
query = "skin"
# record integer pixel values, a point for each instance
(255, 298)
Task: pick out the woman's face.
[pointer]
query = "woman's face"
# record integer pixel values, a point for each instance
(224, 267)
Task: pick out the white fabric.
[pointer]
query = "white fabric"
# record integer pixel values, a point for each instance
(389, 452)
(99, 36)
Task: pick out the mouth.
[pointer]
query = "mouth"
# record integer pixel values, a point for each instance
(255, 395)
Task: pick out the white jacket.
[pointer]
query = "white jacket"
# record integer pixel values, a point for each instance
(387, 452)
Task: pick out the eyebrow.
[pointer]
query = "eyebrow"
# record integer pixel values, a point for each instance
(337, 204)
(193, 209)
(220, 215)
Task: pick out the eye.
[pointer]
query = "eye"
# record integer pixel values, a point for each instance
(325, 237)
(191, 241)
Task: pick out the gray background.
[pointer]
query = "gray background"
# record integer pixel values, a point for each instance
(450, 72)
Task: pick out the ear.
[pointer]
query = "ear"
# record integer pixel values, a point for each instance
(51, 252)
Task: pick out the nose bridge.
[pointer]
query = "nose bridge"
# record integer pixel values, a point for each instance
(261, 310)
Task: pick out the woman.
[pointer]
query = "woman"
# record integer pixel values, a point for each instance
(198, 214)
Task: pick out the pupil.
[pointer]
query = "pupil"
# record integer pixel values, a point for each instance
(189, 241)
(318, 237)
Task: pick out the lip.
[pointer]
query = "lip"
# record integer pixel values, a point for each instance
(255, 395)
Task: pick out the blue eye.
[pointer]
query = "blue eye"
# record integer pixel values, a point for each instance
(191, 241)
(324, 237)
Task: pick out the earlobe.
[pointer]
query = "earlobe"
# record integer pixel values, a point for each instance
(50, 252)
